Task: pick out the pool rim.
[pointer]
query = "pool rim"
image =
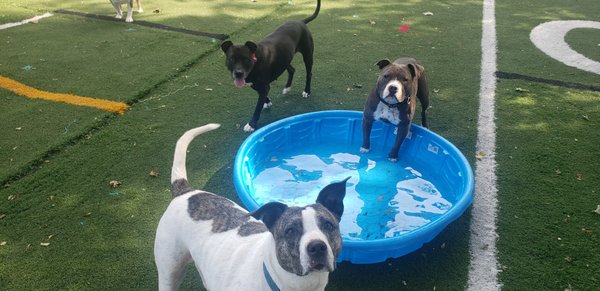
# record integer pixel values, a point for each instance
(423, 234)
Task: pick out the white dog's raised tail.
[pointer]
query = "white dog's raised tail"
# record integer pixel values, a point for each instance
(179, 170)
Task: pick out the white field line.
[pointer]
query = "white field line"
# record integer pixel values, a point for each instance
(483, 268)
(549, 37)
(33, 19)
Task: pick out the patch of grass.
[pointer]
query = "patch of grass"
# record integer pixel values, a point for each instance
(585, 41)
(546, 163)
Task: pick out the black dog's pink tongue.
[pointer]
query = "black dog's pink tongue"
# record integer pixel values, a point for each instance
(239, 83)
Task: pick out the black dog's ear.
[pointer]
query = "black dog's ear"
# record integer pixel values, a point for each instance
(226, 45)
(332, 197)
(383, 63)
(269, 213)
(252, 46)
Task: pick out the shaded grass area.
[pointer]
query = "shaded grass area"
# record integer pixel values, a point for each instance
(548, 185)
(115, 61)
(100, 237)
(547, 140)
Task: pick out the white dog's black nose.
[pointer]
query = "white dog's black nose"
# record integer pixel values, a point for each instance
(316, 248)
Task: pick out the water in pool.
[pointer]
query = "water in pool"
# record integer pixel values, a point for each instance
(383, 199)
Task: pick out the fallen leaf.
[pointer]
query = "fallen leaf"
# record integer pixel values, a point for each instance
(114, 183)
(18, 128)
(597, 209)
(557, 171)
(436, 90)
(585, 117)
(2, 215)
(428, 13)
(44, 244)
(12, 197)
(209, 89)
(521, 90)
(480, 155)
(356, 85)
(371, 22)
(579, 176)
(3, 243)
(156, 11)
(153, 173)
(586, 230)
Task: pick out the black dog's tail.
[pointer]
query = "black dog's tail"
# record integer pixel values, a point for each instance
(312, 17)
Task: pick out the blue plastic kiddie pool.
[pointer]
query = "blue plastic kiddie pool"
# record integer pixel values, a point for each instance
(390, 209)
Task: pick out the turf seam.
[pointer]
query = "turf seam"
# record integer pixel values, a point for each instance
(37, 163)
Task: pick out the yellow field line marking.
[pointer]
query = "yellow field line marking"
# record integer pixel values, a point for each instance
(30, 92)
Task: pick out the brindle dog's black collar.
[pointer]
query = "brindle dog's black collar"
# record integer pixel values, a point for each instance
(395, 105)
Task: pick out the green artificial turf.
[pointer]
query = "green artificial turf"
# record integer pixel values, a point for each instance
(585, 41)
(547, 155)
(63, 227)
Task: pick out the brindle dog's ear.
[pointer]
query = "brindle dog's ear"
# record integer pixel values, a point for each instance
(226, 45)
(269, 213)
(383, 63)
(415, 70)
(252, 46)
(332, 197)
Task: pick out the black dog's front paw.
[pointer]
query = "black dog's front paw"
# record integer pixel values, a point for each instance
(249, 128)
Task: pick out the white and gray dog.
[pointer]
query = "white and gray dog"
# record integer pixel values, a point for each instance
(275, 247)
(117, 4)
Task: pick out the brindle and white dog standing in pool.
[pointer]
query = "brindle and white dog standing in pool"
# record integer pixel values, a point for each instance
(275, 247)
(394, 100)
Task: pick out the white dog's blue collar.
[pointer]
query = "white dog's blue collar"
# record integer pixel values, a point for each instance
(269, 279)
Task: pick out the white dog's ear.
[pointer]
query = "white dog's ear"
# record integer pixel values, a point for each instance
(332, 197)
(252, 46)
(226, 45)
(269, 213)
(383, 63)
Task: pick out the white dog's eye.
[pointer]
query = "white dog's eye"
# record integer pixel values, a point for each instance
(290, 231)
(328, 226)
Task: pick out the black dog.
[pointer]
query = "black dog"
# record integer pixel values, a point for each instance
(394, 100)
(263, 62)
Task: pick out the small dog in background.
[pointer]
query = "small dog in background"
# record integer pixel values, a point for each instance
(117, 4)
(394, 100)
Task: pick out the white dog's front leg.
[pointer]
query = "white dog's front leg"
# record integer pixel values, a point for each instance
(129, 14)
(119, 11)
(139, 6)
